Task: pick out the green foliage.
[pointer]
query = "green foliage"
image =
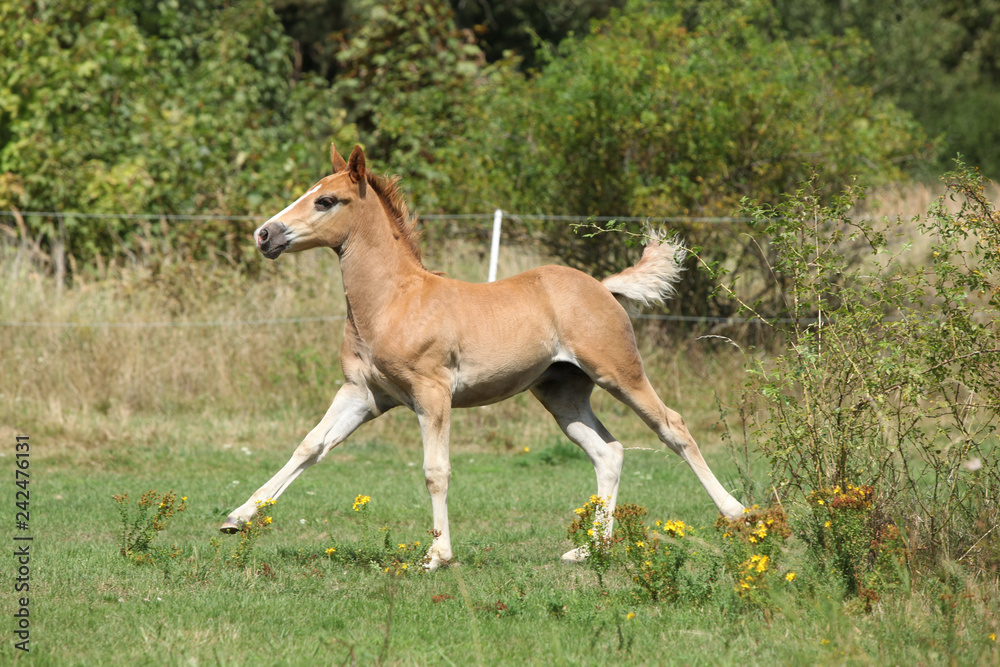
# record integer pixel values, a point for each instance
(889, 375)
(647, 115)
(848, 537)
(656, 560)
(114, 106)
(138, 532)
(752, 549)
(739, 561)
(317, 28)
(938, 60)
(519, 25)
(408, 77)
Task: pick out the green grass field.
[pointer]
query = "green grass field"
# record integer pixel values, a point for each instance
(213, 412)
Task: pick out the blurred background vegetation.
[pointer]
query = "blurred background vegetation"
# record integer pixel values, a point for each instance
(571, 107)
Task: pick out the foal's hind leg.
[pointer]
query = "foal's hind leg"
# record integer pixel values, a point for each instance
(568, 399)
(639, 395)
(352, 407)
(617, 368)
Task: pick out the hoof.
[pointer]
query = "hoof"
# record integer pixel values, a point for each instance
(229, 527)
(573, 557)
(435, 562)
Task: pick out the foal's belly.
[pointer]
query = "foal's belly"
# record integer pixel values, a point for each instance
(501, 376)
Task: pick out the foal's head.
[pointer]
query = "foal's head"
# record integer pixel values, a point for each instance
(323, 215)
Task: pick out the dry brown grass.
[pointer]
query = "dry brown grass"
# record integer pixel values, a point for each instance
(196, 352)
(907, 201)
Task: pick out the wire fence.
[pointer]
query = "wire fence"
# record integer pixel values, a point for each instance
(341, 318)
(425, 216)
(177, 217)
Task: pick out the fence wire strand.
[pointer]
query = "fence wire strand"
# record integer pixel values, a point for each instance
(334, 318)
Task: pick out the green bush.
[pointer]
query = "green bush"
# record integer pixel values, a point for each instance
(678, 109)
(179, 108)
(888, 375)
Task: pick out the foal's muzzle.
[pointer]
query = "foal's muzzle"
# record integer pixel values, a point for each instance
(272, 239)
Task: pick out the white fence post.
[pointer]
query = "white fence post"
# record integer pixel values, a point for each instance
(495, 248)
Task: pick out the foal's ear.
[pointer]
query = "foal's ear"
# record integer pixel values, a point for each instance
(356, 168)
(339, 163)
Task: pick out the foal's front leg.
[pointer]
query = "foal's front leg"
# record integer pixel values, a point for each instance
(435, 417)
(352, 407)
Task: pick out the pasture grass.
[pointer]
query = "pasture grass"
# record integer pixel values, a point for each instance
(508, 601)
(213, 412)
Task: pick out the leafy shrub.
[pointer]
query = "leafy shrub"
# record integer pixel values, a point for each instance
(846, 536)
(589, 533)
(676, 109)
(187, 108)
(887, 385)
(655, 559)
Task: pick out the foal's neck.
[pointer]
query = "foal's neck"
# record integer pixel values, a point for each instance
(377, 266)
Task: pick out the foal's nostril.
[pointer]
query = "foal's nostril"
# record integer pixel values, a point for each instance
(262, 235)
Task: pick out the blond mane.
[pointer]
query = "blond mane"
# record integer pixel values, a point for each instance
(387, 189)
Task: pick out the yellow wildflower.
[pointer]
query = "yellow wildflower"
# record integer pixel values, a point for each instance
(360, 502)
(526, 450)
(402, 546)
(630, 616)
(267, 521)
(790, 576)
(331, 551)
(675, 527)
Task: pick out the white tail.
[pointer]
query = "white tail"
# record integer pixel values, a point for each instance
(653, 278)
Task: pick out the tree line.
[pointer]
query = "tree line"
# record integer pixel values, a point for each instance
(578, 107)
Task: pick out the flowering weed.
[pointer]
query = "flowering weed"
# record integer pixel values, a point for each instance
(588, 532)
(752, 550)
(250, 532)
(138, 531)
(654, 558)
(377, 549)
(848, 537)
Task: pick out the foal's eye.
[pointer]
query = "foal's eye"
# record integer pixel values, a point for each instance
(325, 203)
